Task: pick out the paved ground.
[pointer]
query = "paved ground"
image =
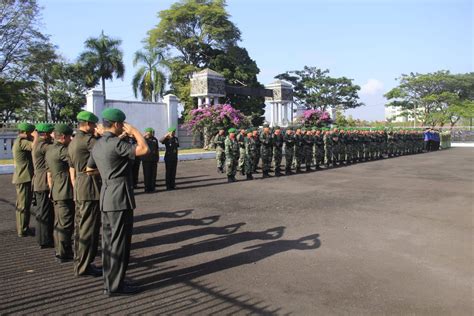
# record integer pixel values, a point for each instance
(385, 237)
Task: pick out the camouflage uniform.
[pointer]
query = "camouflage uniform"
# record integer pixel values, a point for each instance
(266, 152)
(277, 152)
(298, 152)
(308, 149)
(219, 141)
(256, 137)
(327, 138)
(241, 140)
(289, 151)
(232, 152)
(250, 152)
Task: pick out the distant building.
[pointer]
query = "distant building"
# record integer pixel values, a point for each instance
(392, 114)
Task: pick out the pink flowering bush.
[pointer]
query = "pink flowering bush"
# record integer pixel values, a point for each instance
(315, 117)
(214, 116)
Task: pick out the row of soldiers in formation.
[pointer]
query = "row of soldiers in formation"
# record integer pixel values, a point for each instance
(64, 178)
(311, 147)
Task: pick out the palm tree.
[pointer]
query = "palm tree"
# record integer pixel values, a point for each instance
(103, 58)
(149, 80)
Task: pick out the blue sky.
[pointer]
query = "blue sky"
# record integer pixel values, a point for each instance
(370, 41)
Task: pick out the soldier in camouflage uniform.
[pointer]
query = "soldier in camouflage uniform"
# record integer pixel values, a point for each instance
(232, 152)
(289, 149)
(319, 147)
(219, 142)
(256, 136)
(327, 138)
(266, 150)
(241, 140)
(250, 152)
(298, 156)
(335, 146)
(308, 149)
(278, 142)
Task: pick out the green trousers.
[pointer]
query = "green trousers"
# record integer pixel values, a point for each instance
(86, 237)
(63, 228)
(149, 175)
(23, 204)
(116, 241)
(44, 219)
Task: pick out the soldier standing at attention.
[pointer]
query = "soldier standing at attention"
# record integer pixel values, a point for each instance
(150, 160)
(308, 149)
(256, 136)
(171, 157)
(327, 138)
(136, 163)
(278, 142)
(266, 150)
(250, 151)
(241, 140)
(319, 146)
(86, 196)
(112, 156)
(219, 142)
(60, 184)
(232, 151)
(44, 208)
(289, 149)
(22, 176)
(298, 150)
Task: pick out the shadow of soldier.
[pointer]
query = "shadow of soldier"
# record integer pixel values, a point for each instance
(174, 214)
(171, 224)
(185, 235)
(212, 244)
(254, 254)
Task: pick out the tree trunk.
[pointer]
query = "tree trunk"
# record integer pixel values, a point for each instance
(103, 87)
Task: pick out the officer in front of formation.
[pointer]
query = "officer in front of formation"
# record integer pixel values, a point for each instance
(43, 207)
(86, 196)
(150, 160)
(59, 180)
(22, 176)
(113, 157)
(171, 157)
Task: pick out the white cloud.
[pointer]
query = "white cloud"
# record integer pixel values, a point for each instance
(372, 87)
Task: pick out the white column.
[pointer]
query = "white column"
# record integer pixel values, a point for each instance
(208, 101)
(275, 114)
(172, 111)
(285, 111)
(199, 102)
(95, 102)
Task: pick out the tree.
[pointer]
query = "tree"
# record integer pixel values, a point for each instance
(148, 79)
(18, 31)
(239, 69)
(194, 32)
(16, 100)
(315, 89)
(103, 59)
(40, 63)
(434, 98)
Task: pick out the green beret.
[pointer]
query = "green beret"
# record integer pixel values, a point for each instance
(171, 129)
(277, 127)
(63, 129)
(231, 130)
(113, 115)
(266, 125)
(86, 116)
(44, 128)
(149, 130)
(26, 127)
(314, 128)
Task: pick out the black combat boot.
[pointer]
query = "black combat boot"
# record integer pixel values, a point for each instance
(265, 174)
(229, 179)
(249, 176)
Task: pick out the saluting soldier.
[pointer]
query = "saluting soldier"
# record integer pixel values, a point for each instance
(278, 142)
(112, 156)
(266, 150)
(86, 196)
(171, 157)
(150, 160)
(22, 177)
(219, 142)
(256, 136)
(241, 140)
(289, 149)
(44, 208)
(232, 152)
(298, 149)
(59, 180)
(250, 151)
